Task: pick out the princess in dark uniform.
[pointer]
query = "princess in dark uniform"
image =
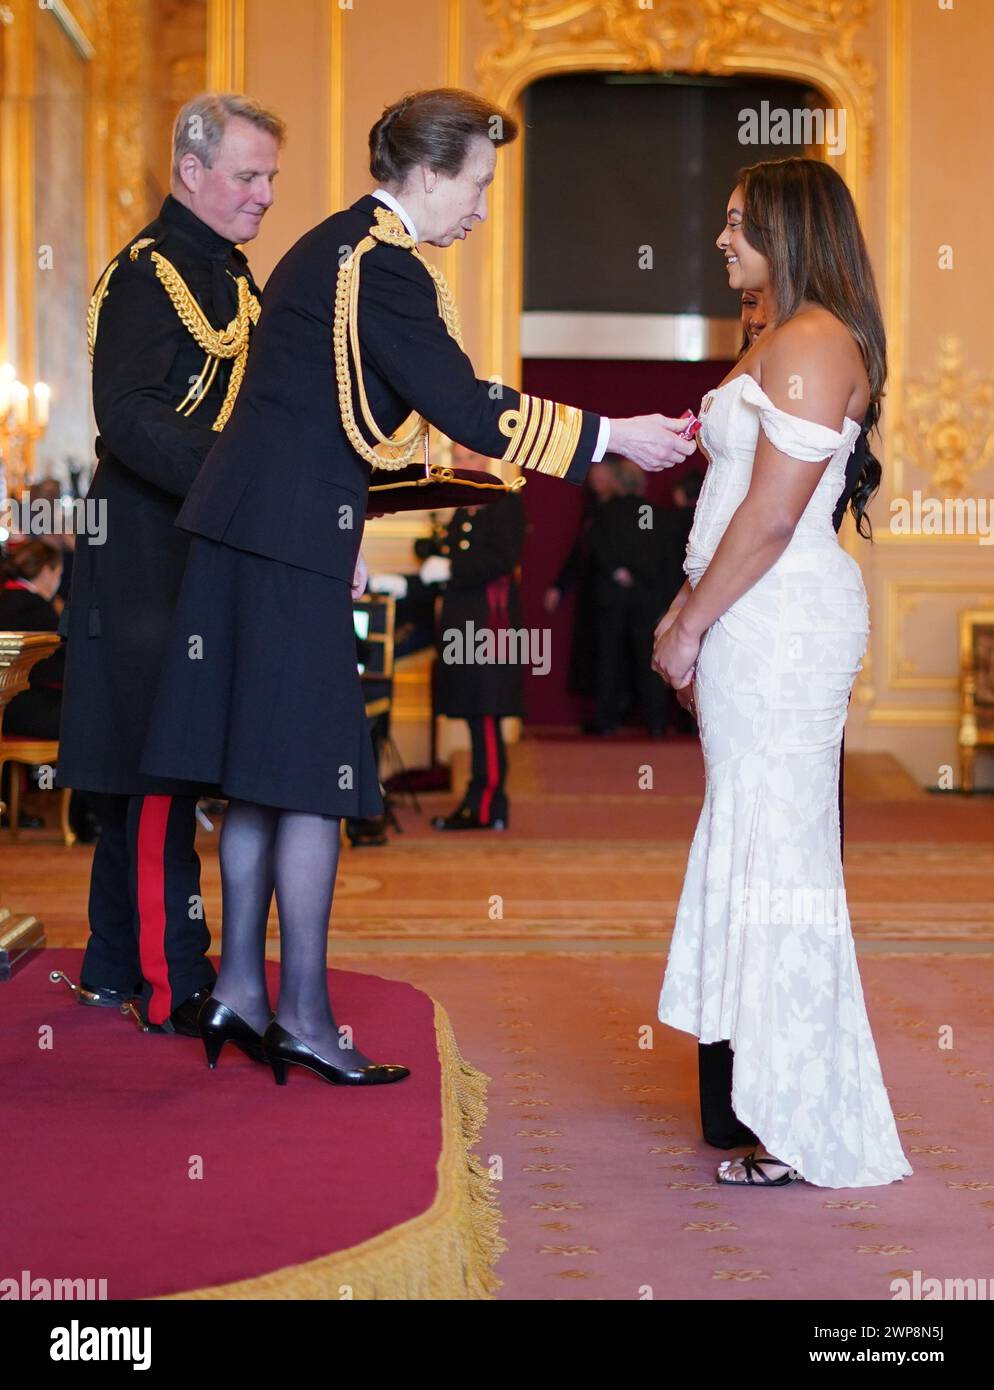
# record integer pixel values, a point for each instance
(357, 347)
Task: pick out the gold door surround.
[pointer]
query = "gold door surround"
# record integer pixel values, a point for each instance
(813, 41)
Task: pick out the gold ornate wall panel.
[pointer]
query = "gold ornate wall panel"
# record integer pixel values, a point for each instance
(815, 41)
(61, 279)
(226, 45)
(89, 89)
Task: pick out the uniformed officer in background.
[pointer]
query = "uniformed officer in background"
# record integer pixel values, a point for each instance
(169, 327)
(477, 559)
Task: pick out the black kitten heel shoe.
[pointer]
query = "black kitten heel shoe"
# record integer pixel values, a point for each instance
(283, 1048)
(219, 1024)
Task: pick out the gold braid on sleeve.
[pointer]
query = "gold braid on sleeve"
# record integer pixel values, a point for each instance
(402, 448)
(543, 435)
(218, 345)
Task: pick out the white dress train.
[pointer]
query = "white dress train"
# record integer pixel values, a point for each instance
(762, 951)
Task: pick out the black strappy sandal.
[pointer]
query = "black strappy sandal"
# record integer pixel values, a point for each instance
(754, 1175)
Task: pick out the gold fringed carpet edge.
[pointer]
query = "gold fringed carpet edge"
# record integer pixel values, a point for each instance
(447, 1253)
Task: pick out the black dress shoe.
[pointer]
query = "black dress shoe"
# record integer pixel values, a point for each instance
(369, 830)
(82, 821)
(282, 1047)
(219, 1024)
(183, 1018)
(97, 996)
(463, 818)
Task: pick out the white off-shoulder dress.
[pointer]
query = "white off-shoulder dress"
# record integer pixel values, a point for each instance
(762, 951)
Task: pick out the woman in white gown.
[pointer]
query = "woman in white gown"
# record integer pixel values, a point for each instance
(770, 629)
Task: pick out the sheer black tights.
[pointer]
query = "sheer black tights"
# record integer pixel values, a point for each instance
(265, 850)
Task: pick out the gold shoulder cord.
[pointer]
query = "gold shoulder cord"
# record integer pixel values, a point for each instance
(230, 342)
(93, 309)
(543, 435)
(402, 447)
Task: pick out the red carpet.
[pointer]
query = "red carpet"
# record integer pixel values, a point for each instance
(136, 1164)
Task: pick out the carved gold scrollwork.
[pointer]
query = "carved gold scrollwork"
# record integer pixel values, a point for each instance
(947, 429)
(811, 39)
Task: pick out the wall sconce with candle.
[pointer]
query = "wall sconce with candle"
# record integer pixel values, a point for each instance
(24, 415)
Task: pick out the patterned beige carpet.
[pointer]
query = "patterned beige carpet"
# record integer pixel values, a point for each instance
(591, 856)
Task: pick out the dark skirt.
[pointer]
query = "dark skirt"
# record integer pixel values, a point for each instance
(260, 696)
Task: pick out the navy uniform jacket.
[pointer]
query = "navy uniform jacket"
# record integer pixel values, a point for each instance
(124, 590)
(283, 481)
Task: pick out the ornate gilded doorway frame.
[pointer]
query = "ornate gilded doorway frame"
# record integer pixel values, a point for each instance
(813, 41)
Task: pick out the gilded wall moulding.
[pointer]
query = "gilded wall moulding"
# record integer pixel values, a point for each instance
(119, 91)
(813, 40)
(947, 425)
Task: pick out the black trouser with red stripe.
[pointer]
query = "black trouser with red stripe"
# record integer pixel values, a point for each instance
(147, 928)
(485, 794)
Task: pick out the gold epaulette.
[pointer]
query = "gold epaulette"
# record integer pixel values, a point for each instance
(402, 447)
(543, 435)
(224, 344)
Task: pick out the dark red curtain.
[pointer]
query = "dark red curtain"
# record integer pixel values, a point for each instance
(553, 510)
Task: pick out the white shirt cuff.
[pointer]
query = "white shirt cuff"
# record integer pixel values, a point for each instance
(603, 439)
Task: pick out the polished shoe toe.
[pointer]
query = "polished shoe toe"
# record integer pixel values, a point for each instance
(99, 997)
(282, 1048)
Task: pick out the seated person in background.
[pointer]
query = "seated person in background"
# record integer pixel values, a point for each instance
(49, 492)
(625, 553)
(32, 574)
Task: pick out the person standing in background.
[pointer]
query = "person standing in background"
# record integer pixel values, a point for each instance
(478, 561)
(576, 576)
(625, 554)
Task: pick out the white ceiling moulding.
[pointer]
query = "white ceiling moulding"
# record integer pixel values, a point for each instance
(644, 337)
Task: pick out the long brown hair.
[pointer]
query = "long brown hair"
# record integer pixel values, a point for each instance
(800, 215)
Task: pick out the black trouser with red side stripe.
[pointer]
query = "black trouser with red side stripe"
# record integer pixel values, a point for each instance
(486, 795)
(147, 928)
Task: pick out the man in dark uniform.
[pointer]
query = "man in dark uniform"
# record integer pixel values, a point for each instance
(169, 326)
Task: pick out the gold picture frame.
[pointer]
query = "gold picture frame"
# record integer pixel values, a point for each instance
(976, 727)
